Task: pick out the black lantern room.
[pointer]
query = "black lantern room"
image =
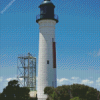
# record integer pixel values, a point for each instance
(46, 11)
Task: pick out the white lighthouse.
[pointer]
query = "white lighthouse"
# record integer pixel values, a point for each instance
(47, 48)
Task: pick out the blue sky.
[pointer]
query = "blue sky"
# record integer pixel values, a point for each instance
(77, 39)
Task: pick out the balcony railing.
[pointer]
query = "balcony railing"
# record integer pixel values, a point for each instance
(39, 18)
(56, 17)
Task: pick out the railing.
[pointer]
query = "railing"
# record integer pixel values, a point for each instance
(55, 17)
(38, 17)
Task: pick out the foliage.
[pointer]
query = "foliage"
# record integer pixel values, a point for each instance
(79, 90)
(75, 98)
(72, 92)
(91, 94)
(62, 92)
(48, 90)
(98, 95)
(33, 98)
(14, 92)
(56, 94)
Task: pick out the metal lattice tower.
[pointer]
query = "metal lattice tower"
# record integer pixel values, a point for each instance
(26, 71)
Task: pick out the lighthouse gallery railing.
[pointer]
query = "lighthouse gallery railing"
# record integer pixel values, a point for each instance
(55, 17)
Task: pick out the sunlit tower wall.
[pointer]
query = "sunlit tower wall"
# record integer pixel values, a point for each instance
(26, 71)
(46, 20)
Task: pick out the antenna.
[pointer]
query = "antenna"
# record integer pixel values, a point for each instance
(10, 3)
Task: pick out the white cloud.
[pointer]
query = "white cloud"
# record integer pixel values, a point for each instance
(87, 82)
(1, 79)
(68, 81)
(62, 80)
(9, 79)
(98, 80)
(76, 80)
(7, 6)
(21, 79)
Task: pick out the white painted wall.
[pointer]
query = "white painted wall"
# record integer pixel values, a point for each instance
(46, 72)
(33, 93)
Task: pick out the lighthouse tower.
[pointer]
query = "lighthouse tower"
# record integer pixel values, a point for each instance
(47, 48)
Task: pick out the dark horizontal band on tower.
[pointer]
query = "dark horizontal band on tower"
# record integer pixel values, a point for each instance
(43, 16)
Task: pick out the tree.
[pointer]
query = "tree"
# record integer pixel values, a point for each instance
(62, 92)
(48, 90)
(84, 92)
(0, 95)
(54, 96)
(78, 92)
(98, 95)
(91, 94)
(75, 98)
(59, 93)
(14, 92)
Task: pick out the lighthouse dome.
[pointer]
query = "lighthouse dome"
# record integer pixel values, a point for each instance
(46, 11)
(47, 2)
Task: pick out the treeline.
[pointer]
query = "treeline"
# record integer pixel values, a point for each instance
(14, 92)
(65, 92)
(72, 92)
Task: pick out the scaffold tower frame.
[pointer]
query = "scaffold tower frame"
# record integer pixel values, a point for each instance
(26, 71)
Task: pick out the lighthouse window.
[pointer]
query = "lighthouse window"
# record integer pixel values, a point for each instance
(47, 61)
(41, 10)
(45, 8)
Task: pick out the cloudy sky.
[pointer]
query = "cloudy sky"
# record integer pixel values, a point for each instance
(77, 39)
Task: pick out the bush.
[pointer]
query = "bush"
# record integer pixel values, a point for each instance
(75, 98)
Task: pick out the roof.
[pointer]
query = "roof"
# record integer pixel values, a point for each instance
(47, 2)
